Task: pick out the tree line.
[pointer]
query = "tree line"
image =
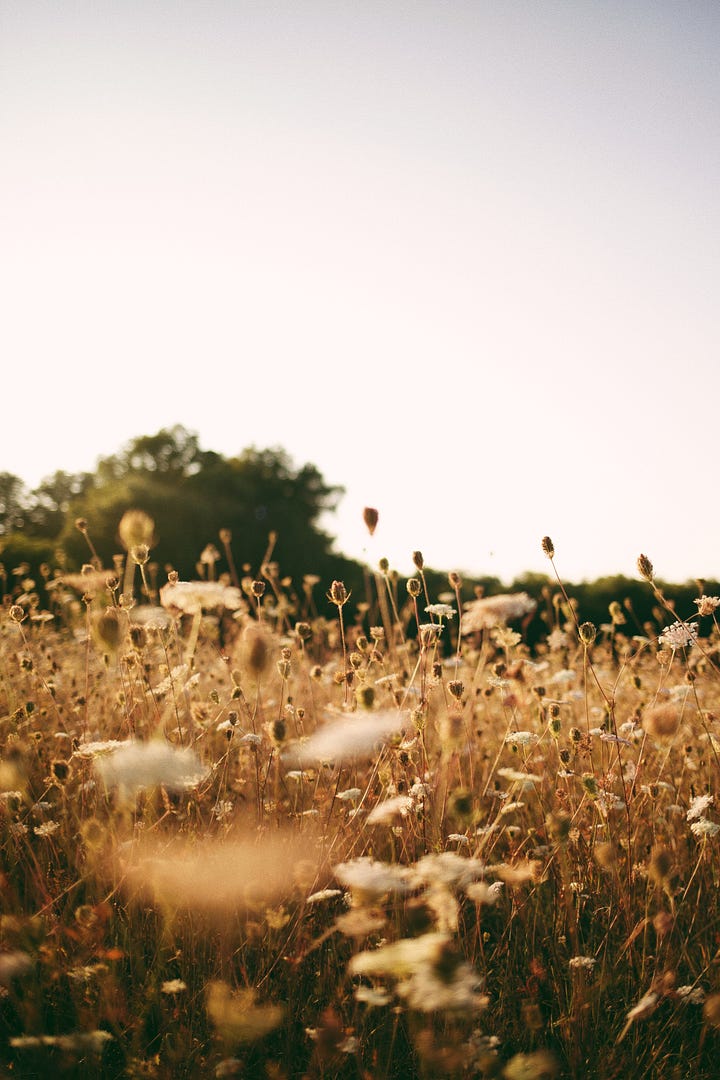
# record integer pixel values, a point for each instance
(260, 502)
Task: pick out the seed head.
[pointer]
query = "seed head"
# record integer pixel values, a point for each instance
(254, 650)
(135, 528)
(456, 688)
(663, 721)
(109, 629)
(417, 558)
(661, 863)
(413, 587)
(558, 827)
(338, 594)
(16, 613)
(548, 547)
(370, 517)
(365, 696)
(140, 553)
(258, 588)
(645, 568)
(587, 632)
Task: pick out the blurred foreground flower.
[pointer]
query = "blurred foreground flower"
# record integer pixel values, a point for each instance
(137, 765)
(236, 1016)
(219, 875)
(491, 611)
(347, 738)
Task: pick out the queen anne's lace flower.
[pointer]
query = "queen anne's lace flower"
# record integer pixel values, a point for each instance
(679, 635)
(195, 596)
(698, 806)
(707, 605)
(489, 611)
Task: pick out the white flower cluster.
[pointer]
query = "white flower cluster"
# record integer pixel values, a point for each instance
(490, 611)
(679, 635)
(195, 596)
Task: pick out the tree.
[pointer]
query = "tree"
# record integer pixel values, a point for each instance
(12, 503)
(48, 504)
(192, 494)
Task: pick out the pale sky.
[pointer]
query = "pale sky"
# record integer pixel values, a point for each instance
(462, 256)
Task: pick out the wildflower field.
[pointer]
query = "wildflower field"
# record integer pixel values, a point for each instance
(258, 827)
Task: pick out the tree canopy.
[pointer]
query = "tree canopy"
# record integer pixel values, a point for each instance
(191, 494)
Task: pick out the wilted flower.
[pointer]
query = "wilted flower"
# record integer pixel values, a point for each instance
(707, 605)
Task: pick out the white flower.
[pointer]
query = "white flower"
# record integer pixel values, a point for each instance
(679, 635)
(92, 749)
(482, 893)
(519, 777)
(426, 991)
(449, 868)
(173, 986)
(704, 828)
(323, 894)
(400, 958)
(443, 611)
(586, 963)
(389, 810)
(195, 596)
(691, 995)
(491, 611)
(251, 739)
(371, 995)
(351, 794)
(47, 828)
(151, 764)
(698, 806)
(521, 738)
(175, 680)
(367, 877)
(350, 737)
(707, 605)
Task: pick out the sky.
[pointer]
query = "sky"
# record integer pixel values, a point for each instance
(463, 256)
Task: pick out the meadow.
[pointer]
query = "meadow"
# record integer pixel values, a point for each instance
(260, 827)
